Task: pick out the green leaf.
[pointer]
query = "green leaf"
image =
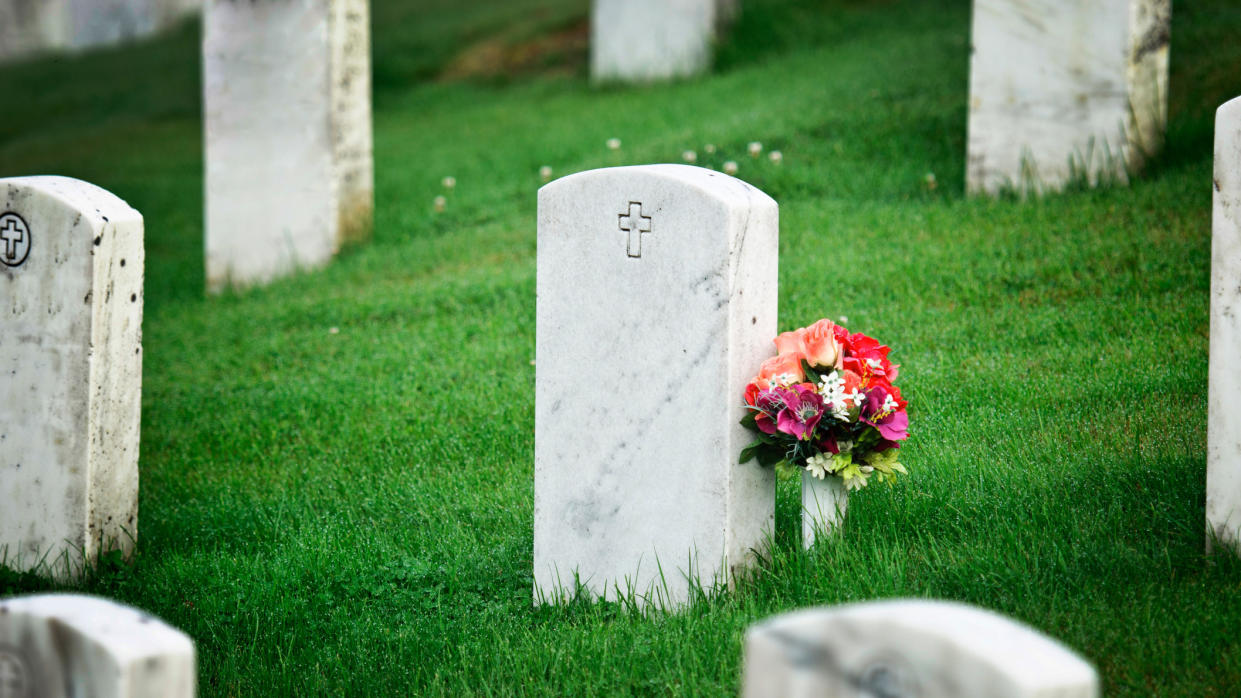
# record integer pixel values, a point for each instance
(748, 452)
(811, 374)
(748, 420)
(769, 456)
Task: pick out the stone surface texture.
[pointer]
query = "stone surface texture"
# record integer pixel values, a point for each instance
(1065, 91)
(289, 174)
(70, 646)
(656, 304)
(649, 40)
(1224, 409)
(823, 506)
(71, 358)
(33, 26)
(929, 649)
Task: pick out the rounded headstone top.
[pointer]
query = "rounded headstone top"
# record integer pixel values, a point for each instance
(91, 201)
(718, 185)
(1229, 110)
(128, 633)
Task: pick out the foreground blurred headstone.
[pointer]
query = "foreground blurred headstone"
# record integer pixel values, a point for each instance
(1224, 411)
(71, 263)
(287, 104)
(893, 649)
(68, 646)
(33, 26)
(648, 40)
(1065, 91)
(656, 304)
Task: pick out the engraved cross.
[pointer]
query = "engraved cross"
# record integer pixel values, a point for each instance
(12, 235)
(635, 224)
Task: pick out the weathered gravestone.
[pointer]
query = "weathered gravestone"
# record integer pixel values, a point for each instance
(67, 646)
(1061, 91)
(71, 262)
(287, 101)
(647, 40)
(914, 649)
(1224, 420)
(656, 304)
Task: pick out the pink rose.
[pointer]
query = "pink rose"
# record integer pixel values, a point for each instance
(789, 363)
(788, 342)
(820, 345)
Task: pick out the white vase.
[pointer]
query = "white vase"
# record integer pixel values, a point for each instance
(823, 504)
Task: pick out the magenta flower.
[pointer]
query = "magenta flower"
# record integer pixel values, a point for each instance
(802, 410)
(769, 403)
(883, 412)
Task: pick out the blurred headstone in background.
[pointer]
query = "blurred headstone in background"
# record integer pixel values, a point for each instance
(651, 40)
(34, 26)
(1062, 92)
(287, 117)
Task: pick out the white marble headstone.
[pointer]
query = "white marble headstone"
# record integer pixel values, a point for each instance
(656, 304)
(71, 263)
(914, 649)
(287, 102)
(648, 40)
(1224, 409)
(69, 646)
(1060, 90)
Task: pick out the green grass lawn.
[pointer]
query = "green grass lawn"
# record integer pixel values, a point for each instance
(350, 512)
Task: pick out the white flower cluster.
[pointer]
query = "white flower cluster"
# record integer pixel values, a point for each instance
(839, 401)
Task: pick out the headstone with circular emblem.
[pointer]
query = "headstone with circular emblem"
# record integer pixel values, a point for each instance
(71, 264)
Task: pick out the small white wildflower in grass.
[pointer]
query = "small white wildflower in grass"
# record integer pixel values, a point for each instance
(709, 148)
(730, 168)
(843, 319)
(776, 156)
(689, 156)
(614, 144)
(449, 182)
(931, 184)
(333, 330)
(819, 465)
(754, 148)
(545, 173)
(440, 203)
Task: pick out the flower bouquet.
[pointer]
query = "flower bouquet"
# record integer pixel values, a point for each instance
(827, 404)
